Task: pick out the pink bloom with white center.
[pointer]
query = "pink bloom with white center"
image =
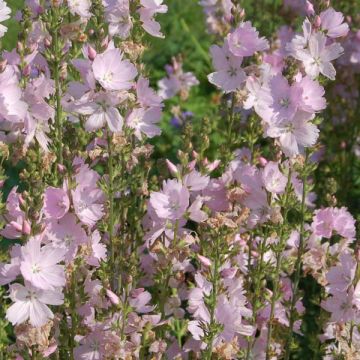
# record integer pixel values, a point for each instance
(341, 276)
(67, 234)
(39, 264)
(112, 72)
(332, 23)
(98, 250)
(295, 134)
(102, 110)
(274, 180)
(312, 97)
(318, 56)
(147, 13)
(139, 299)
(30, 304)
(56, 203)
(144, 121)
(172, 202)
(80, 7)
(4, 15)
(245, 41)
(285, 98)
(228, 74)
(340, 305)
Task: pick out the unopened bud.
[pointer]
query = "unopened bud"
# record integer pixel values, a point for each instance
(91, 52)
(262, 161)
(172, 168)
(26, 228)
(309, 8)
(114, 299)
(47, 42)
(20, 47)
(27, 70)
(204, 260)
(317, 22)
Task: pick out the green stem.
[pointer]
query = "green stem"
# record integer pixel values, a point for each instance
(278, 266)
(111, 209)
(73, 329)
(297, 264)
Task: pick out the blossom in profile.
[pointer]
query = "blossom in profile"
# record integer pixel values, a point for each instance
(147, 11)
(112, 72)
(332, 23)
(228, 74)
(4, 15)
(245, 40)
(30, 303)
(39, 265)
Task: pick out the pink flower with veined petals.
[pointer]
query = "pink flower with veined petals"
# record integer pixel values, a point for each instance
(332, 23)
(112, 72)
(172, 202)
(39, 265)
(30, 303)
(147, 12)
(274, 180)
(228, 74)
(245, 41)
(56, 203)
(312, 97)
(98, 250)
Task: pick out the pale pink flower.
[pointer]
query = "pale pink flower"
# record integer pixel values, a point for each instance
(98, 250)
(146, 96)
(245, 41)
(117, 14)
(340, 305)
(56, 203)
(139, 299)
(39, 265)
(92, 347)
(144, 121)
(172, 202)
(112, 72)
(274, 180)
(312, 96)
(332, 23)
(30, 304)
(318, 56)
(341, 276)
(67, 234)
(285, 98)
(228, 74)
(148, 10)
(4, 15)
(296, 134)
(80, 7)
(9, 272)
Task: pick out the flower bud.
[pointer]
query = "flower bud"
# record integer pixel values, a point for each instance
(26, 228)
(309, 8)
(204, 260)
(317, 22)
(27, 70)
(91, 52)
(172, 168)
(114, 299)
(262, 161)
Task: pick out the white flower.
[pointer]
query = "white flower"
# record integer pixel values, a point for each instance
(4, 15)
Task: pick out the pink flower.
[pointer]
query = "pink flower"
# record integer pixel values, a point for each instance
(98, 250)
(285, 98)
(9, 272)
(117, 14)
(274, 180)
(80, 7)
(147, 12)
(102, 110)
(332, 23)
(318, 56)
(146, 96)
(56, 203)
(67, 234)
(92, 347)
(30, 303)
(39, 265)
(295, 134)
(245, 41)
(139, 299)
(340, 277)
(312, 96)
(340, 305)
(228, 74)
(144, 122)
(112, 72)
(172, 202)
(4, 15)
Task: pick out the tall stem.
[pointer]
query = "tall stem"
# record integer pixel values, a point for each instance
(297, 264)
(56, 70)
(111, 209)
(278, 266)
